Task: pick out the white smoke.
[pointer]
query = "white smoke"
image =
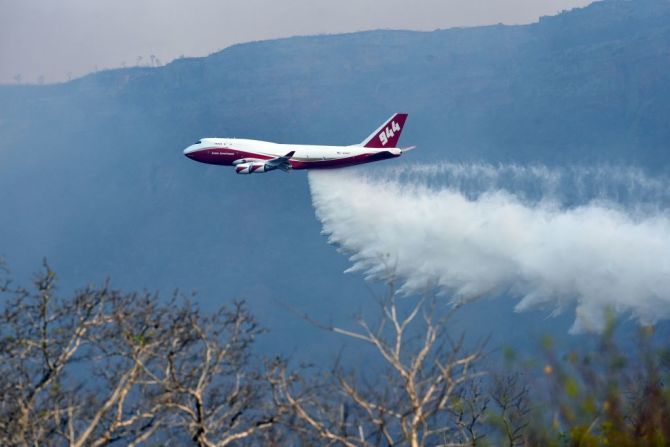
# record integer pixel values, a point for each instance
(595, 238)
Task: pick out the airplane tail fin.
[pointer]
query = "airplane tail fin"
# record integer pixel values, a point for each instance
(388, 134)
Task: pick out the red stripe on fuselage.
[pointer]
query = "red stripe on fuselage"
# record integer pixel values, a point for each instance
(220, 156)
(226, 157)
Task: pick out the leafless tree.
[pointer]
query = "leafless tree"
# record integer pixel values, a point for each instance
(18, 78)
(510, 396)
(139, 60)
(203, 382)
(103, 367)
(428, 393)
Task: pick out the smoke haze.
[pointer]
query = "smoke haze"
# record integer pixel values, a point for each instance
(74, 37)
(588, 238)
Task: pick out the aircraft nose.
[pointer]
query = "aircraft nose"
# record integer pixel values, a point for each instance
(190, 150)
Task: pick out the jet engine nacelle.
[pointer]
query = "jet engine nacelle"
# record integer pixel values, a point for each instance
(253, 168)
(247, 160)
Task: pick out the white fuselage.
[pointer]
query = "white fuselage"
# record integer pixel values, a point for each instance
(249, 156)
(232, 151)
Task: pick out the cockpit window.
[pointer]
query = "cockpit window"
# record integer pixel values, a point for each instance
(198, 142)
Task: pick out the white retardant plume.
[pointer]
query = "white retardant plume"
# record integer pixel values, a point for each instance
(456, 228)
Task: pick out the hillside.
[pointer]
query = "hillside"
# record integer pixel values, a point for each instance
(92, 175)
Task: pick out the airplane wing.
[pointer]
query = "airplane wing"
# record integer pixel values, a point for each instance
(281, 162)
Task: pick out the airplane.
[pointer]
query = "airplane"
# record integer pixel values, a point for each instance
(253, 156)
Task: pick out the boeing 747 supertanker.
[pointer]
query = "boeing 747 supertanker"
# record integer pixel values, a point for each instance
(253, 156)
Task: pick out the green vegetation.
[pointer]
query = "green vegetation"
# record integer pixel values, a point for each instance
(608, 396)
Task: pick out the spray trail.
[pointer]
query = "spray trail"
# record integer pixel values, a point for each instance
(593, 238)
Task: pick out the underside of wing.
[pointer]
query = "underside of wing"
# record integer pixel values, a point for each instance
(281, 162)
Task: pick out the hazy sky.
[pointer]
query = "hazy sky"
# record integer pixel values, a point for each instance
(53, 38)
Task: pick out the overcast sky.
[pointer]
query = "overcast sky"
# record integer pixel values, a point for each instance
(57, 39)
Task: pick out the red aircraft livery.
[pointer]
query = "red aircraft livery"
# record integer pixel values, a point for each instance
(254, 156)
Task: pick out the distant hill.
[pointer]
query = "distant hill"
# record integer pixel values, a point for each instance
(92, 175)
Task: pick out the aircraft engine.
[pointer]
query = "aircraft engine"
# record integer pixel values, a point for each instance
(253, 168)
